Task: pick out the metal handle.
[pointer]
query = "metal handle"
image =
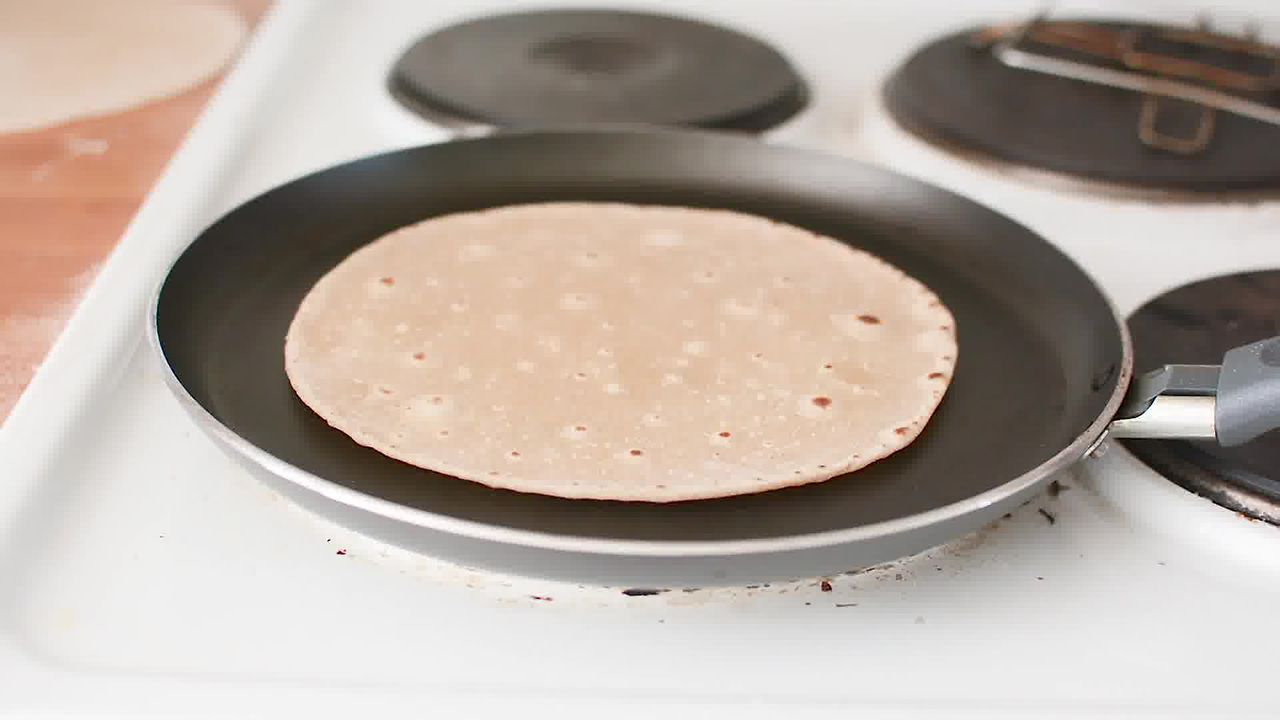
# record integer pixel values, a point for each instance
(1234, 402)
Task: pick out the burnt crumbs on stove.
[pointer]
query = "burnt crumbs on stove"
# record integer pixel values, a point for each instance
(642, 592)
(825, 586)
(1048, 516)
(845, 604)
(544, 598)
(342, 551)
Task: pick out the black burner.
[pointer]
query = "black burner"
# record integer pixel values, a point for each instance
(594, 66)
(956, 92)
(1196, 324)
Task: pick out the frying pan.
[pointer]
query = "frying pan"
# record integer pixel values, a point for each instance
(1043, 364)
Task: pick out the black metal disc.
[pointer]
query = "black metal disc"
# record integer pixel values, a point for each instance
(554, 67)
(1196, 324)
(1040, 351)
(959, 95)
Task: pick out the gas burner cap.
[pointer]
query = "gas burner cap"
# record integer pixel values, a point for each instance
(1196, 324)
(589, 66)
(959, 93)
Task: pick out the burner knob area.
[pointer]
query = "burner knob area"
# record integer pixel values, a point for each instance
(1249, 392)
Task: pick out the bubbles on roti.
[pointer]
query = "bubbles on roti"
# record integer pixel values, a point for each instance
(622, 352)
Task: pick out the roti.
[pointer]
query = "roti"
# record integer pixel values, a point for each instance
(67, 60)
(621, 352)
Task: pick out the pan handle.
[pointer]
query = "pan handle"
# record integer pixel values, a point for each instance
(1233, 403)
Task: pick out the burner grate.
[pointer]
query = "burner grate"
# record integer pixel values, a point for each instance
(1211, 71)
(1134, 104)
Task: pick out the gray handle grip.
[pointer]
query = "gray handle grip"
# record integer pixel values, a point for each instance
(1233, 403)
(1248, 402)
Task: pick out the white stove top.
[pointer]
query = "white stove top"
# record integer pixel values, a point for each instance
(141, 568)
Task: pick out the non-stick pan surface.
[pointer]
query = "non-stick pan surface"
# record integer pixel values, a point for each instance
(1040, 357)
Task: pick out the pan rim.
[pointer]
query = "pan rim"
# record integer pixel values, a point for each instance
(604, 546)
(471, 529)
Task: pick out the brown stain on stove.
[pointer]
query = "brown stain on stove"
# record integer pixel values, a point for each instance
(964, 547)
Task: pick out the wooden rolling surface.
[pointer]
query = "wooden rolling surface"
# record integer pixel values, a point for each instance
(66, 195)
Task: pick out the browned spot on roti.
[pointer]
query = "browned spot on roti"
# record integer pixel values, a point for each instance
(869, 319)
(822, 401)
